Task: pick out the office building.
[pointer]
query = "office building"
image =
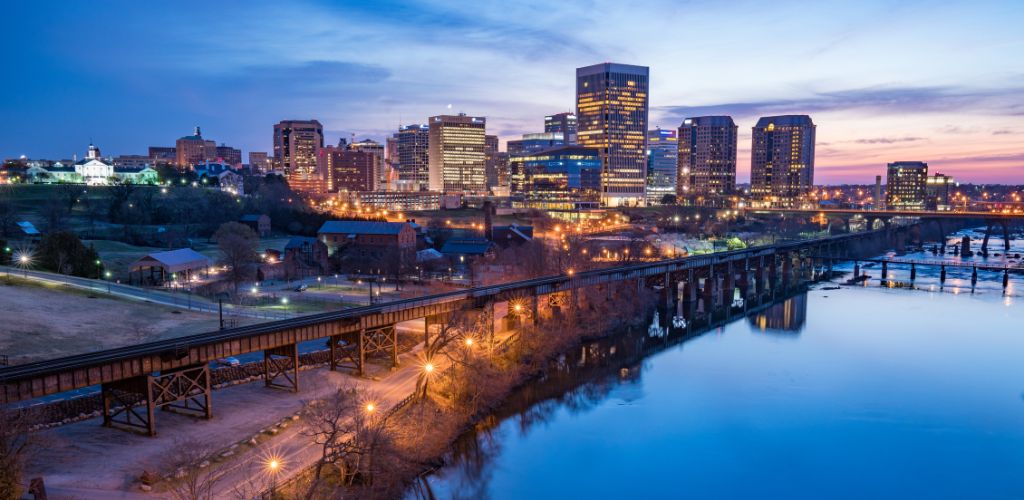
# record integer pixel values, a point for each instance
(259, 162)
(297, 144)
(940, 191)
(662, 161)
(491, 160)
(192, 150)
(413, 156)
(348, 169)
(163, 155)
(562, 123)
(611, 108)
(456, 154)
(905, 185)
(707, 156)
(231, 156)
(782, 158)
(377, 150)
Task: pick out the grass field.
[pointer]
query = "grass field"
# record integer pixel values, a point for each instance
(51, 321)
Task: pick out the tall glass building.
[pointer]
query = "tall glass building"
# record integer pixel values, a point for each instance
(562, 123)
(412, 161)
(782, 158)
(456, 154)
(565, 174)
(529, 144)
(707, 156)
(611, 108)
(662, 158)
(906, 185)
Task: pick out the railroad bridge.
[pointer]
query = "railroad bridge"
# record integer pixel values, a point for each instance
(175, 374)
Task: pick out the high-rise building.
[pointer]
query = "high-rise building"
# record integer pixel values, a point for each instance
(707, 156)
(563, 173)
(391, 161)
(377, 149)
(229, 155)
(349, 169)
(611, 106)
(562, 123)
(490, 160)
(456, 154)
(939, 190)
(906, 185)
(782, 158)
(259, 162)
(662, 161)
(413, 157)
(193, 149)
(296, 147)
(501, 166)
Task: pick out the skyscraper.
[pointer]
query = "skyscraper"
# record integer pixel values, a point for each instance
(562, 123)
(662, 158)
(297, 144)
(377, 149)
(707, 156)
(782, 158)
(491, 160)
(193, 149)
(259, 162)
(906, 185)
(456, 154)
(348, 170)
(413, 159)
(611, 106)
(939, 190)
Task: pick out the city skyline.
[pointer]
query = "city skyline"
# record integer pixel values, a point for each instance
(883, 84)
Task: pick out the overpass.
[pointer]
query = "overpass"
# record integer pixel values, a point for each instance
(175, 373)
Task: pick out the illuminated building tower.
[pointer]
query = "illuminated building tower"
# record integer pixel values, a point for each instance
(611, 107)
(782, 158)
(939, 190)
(456, 156)
(192, 150)
(561, 177)
(707, 156)
(349, 170)
(259, 162)
(662, 158)
(391, 161)
(906, 185)
(297, 146)
(562, 123)
(413, 164)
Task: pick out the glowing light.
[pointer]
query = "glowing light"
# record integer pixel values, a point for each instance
(429, 368)
(370, 407)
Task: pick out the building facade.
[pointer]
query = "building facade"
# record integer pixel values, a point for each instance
(612, 107)
(231, 156)
(707, 156)
(296, 146)
(380, 171)
(456, 154)
(940, 190)
(782, 158)
(906, 185)
(562, 123)
(259, 162)
(568, 173)
(163, 155)
(192, 150)
(348, 169)
(491, 160)
(662, 161)
(413, 156)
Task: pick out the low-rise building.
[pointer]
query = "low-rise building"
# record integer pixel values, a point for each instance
(260, 223)
(369, 240)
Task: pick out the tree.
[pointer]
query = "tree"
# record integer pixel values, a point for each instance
(15, 443)
(64, 253)
(668, 199)
(188, 464)
(8, 214)
(238, 245)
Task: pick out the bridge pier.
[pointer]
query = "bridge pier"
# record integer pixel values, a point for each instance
(942, 274)
(974, 276)
(1006, 278)
(965, 246)
(1006, 234)
(278, 362)
(984, 242)
(885, 270)
(188, 385)
(913, 272)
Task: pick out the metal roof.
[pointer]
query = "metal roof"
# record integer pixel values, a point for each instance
(361, 227)
(466, 246)
(174, 260)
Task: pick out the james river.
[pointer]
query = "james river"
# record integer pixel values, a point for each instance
(865, 391)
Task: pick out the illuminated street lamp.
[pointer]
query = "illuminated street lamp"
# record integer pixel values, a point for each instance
(428, 368)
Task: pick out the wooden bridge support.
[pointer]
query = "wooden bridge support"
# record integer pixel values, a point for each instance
(282, 362)
(185, 390)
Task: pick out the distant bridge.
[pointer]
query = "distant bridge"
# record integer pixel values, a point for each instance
(174, 373)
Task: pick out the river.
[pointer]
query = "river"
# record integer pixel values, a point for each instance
(860, 392)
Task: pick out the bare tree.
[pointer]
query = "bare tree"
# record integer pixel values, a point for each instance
(188, 465)
(15, 441)
(8, 213)
(237, 243)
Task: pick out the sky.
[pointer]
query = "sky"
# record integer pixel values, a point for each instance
(940, 81)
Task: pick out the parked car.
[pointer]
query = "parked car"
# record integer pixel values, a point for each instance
(229, 361)
(301, 288)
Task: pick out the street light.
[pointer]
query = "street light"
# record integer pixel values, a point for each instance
(428, 368)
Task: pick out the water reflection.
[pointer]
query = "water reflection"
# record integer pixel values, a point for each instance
(786, 318)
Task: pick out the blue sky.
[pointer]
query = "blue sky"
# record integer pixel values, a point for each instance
(941, 82)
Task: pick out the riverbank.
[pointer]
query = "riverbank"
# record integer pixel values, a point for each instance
(480, 378)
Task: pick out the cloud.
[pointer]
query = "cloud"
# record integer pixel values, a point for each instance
(888, 100)
(888, 140)
(1002, 132)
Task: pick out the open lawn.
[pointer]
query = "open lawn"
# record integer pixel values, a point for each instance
(46, 322)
